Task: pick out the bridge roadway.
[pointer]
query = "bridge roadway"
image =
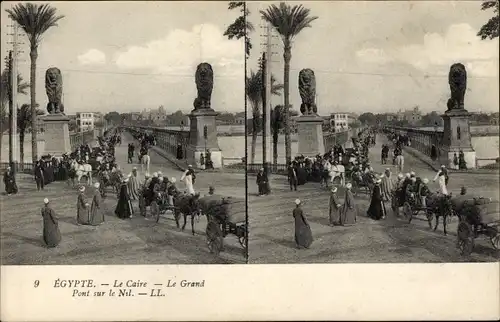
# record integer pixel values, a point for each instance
(271, 232)
(134, 241)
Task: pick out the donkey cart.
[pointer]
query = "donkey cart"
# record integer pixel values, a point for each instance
(225, 216)
(478, 218)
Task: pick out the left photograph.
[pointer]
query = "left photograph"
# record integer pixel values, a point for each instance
(123, 146)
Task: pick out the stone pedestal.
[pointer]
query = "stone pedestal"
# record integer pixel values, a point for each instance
(310, 134)
(198, 144)
(456, 138)
(56, 134)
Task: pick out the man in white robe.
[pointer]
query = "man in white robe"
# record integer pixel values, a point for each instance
(441, 176)
(188, 178)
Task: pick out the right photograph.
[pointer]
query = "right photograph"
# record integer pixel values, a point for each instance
(373, 132)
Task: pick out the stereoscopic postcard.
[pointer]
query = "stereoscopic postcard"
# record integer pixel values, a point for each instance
(215, 160)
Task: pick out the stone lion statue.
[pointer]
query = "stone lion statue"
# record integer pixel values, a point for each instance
(54, 87)
(457, 78)
(307, 90)
(204, 79)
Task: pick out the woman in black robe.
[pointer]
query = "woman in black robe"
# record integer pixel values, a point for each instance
(376, 210)
(124, 208)
(9, 181)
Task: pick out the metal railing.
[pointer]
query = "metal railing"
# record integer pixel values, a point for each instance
(24, 167)
(166, 139)
(78, 138)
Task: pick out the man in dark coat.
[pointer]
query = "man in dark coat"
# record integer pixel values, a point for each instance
(39, 176)
(262, 182)
(292, 175)
(9, 181)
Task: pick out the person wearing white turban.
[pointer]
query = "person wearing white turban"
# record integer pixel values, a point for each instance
(442, 177)
(82, 208)
(189, 178)
(349, 211)
(96, 216)
(51, 232)
(303, 234)
(334, 211)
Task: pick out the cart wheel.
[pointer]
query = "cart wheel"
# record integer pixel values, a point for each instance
(214, 238)
(407, 211)
(142, 206)
(155, 211)
(495, 241)
(243, 239)
(465, 238)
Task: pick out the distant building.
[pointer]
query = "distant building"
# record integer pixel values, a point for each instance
(85, 121)
(341, 121)
(135, 116)
(413, 116)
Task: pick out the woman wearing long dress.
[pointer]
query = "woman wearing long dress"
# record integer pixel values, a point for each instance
(442, 177)
(349, 210)
(188, 177)
(82, 208)
(51, 232)
(376, 210)
(334, 212)
(303, 234)
(133, 184)
(124, 208)
(96, 211)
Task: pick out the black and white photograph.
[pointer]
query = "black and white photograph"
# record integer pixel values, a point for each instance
(122, 133)
(373, 132)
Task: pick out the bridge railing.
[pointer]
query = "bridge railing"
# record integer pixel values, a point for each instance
(420, 140)
(78, 138)
(166, 139)
(330, 139)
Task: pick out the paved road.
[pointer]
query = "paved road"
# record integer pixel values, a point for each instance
(271, 234)
(134, 241)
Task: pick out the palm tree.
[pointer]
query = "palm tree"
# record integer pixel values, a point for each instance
(5, 92)
(289, 22)
(254, 89)
(35, 20)
(24, 120)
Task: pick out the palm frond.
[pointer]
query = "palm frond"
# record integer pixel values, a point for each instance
(34, 19)
(287, 20)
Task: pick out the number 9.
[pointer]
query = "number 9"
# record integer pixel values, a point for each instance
(37, 282)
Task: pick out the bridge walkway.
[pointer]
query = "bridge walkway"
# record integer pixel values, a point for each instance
(271, 232)
(115, 242)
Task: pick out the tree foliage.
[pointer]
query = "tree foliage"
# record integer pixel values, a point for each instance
(491, 28)
(241, 27)
(368, 118)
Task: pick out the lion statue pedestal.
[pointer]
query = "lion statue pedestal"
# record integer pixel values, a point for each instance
(56, 134)
(310, 134)
(199, 119)
(456, 132)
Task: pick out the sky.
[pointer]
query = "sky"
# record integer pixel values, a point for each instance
(130, 56)
(383, 56)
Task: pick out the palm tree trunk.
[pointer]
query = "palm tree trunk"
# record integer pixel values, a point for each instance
(34, 123)
(21, 147)
(275, 145)
(254, 141)
(287, 56)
